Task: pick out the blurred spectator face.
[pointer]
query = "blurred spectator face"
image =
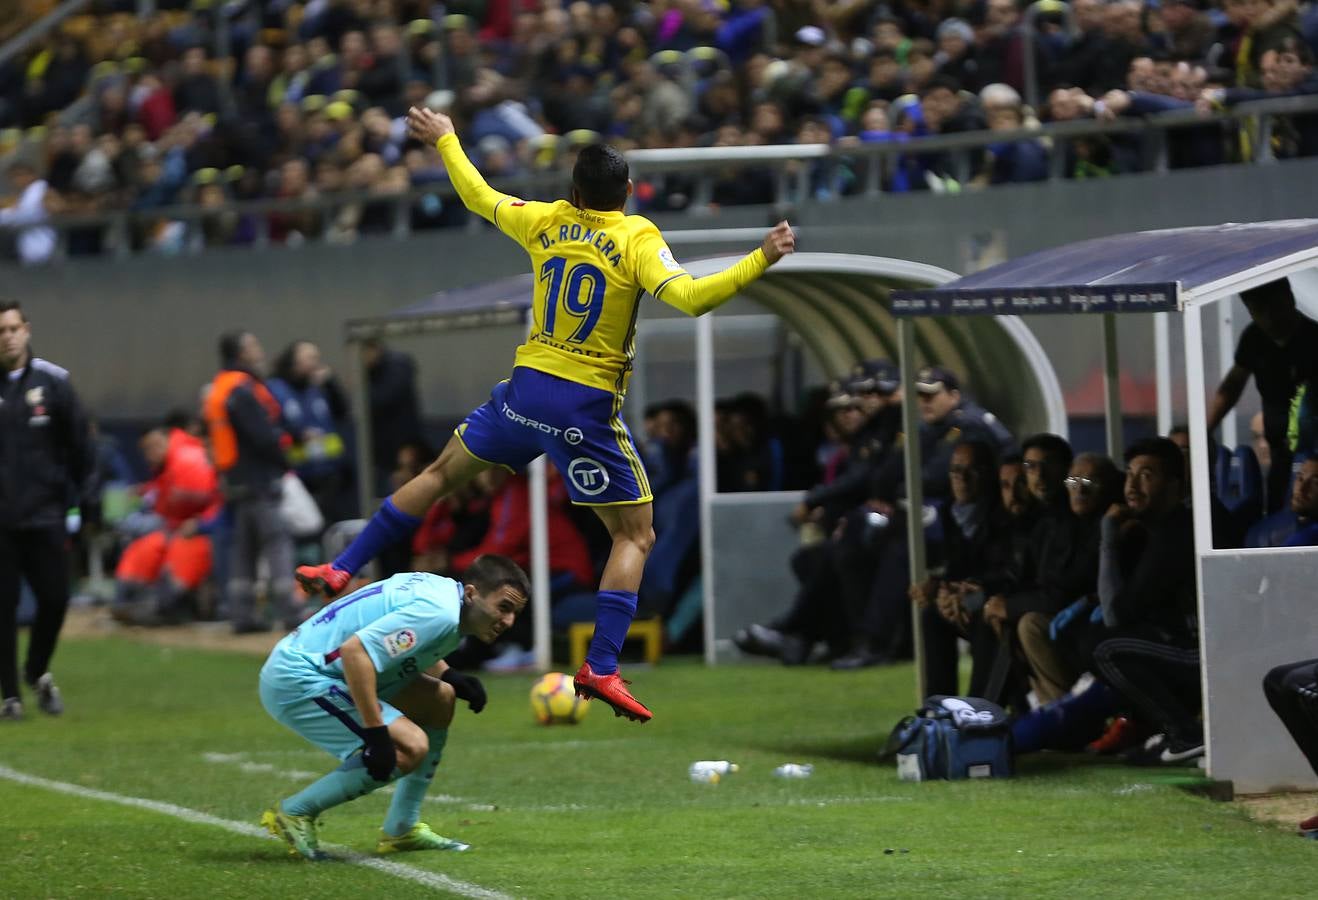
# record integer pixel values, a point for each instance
(385, 40)
(1004, 118)
(1244, 13)
(1142, 76)
(306, 360)
(937, 106)
(154, 445)
(194, 62)
(1064, 105)
(951, 45)
(884, 69)
(1148, 489)
(293, 178)
(1176, 16)
(352, 47)
(1084, 490)
(461, 42)
(210, 196)
(1088, 14)
(835, 77)
(964, 477)
(1043, 475)
(295, 59)
(767, 119)
(1261, 447)
(1188, 81)
(888, 35)
(134, 136)
(80, 139)
(1282, 70)
(1304, 496)
(671, 430)
(410, 461)
(329, 177)
(813, 131)
(1002, 15)
(1013, 490)
(920, 67)
(938, 405)
(581, 16)
(259, 64)
(318, 48)
(15, 333)
(288, 118)
(847, 420)
(1121, 21)
(251, 355)
(875, 119)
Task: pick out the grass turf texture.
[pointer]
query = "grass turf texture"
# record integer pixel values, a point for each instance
(604, 808)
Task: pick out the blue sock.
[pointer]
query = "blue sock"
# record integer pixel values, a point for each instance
(410, 790)
(387, 527)
(348, 782)
(613, 616)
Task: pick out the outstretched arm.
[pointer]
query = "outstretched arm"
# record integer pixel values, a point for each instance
(496, 207)
(666, 280)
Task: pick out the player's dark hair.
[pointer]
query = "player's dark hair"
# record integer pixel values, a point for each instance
(1179, 429)
(1054, 447)
(1169, 456)
(1010, 459)
(1278, 292)
(684, 414)
(284, 362)
(231, 347)
(600, 177)
(491, 572)
(12, 306)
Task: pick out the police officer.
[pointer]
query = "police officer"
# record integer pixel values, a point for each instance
(46, 466)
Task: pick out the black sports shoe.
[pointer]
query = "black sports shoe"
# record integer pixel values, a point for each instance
(1177, 750)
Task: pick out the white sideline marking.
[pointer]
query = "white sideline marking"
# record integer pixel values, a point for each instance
(398, 870)
(245, 765)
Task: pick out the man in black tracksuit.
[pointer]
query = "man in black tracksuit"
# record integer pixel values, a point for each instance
(46, 465)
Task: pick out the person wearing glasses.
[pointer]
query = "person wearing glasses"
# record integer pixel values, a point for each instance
(1047, 638)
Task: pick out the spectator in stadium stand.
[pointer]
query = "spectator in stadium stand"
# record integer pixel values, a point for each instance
(29, 213)
(1150, 651)
(315, 409)
(158, 570)
(955, 58)
(942, 110)
(1187, 31)
(1253, 28)
(1068, 582)
(248, 444)
(951, 604)
(1008, 162)
(1277, 350)
(1286, 71)
(395, 410)
(46, 464)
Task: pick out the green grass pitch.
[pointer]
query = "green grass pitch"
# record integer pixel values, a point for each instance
(602, 809)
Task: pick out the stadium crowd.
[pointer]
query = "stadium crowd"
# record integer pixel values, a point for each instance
(203, 103)
(1072, 582)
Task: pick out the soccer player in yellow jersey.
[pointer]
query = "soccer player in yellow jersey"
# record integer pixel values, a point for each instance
(594, 264)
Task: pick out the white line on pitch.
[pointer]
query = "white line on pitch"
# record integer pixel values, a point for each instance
(398, 870)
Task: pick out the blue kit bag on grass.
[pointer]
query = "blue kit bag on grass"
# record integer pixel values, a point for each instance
(952, 738)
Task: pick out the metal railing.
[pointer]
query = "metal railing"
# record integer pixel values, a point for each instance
(868, 165)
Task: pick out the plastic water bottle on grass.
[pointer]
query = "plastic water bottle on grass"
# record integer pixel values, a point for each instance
(719, 766)
(794, 770)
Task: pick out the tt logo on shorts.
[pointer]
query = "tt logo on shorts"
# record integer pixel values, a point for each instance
(588, 476)
(513, 415)
(573, 436)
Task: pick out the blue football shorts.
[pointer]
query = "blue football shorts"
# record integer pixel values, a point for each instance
(318, 708)
(578, 427)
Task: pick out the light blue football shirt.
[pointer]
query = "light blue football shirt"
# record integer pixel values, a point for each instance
(407, 623)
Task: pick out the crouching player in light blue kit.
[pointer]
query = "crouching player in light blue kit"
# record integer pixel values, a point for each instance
(365, 681)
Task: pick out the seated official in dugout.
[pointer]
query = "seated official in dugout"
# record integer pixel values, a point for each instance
(365, 681)
(593, 263)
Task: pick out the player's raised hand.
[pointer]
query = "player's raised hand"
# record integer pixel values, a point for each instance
(426, 125)
(779, 242)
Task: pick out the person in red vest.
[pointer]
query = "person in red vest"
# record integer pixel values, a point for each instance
(159, 569)
(247, 444)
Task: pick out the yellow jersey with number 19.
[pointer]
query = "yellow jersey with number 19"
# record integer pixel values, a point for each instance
(592, 269)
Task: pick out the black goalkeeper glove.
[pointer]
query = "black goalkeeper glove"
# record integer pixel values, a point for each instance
(378, 752)
(466, 687)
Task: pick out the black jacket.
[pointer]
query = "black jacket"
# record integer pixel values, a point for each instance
(394, 407)
(260, 463)
(1061, 565)
(967, 422)
(46, 455)
(866, 452)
